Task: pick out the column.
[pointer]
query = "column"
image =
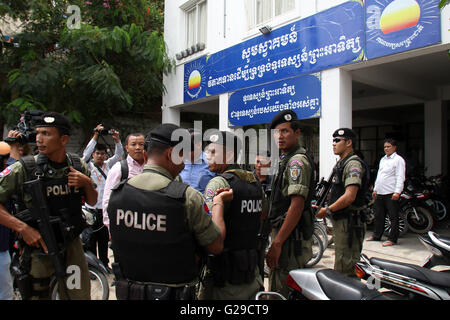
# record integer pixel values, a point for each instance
(171, 115)
(435, 116)
(223, 112)
(336, 113)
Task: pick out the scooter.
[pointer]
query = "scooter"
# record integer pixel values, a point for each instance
(408, 280)
(439, 248)
(323, 284)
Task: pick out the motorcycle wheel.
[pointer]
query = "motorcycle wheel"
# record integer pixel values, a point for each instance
(99, 285)
(420, 224)
(440, 210)
(402, 225)
(321, 231)
(317, 250)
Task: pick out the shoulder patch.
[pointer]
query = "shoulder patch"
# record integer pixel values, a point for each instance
(5, 172)
(295, 162)
(206, 208)
(354, 172)
(294, 172)
(209, 194)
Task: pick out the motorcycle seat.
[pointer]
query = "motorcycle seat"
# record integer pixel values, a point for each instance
(340, 287)
(422, 274)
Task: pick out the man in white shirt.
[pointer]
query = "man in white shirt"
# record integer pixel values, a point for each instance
(100, 166)
(386, 192)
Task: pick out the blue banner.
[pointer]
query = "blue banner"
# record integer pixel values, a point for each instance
(260, 104)
(400, 25)
(327, 39)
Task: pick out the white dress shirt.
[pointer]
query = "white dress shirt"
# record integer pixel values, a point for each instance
(391, 175)
(96, 175)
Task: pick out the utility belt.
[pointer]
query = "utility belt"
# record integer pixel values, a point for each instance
(28, 286)
(127, 289)
(234, 266)
(356, 220)
(65, 232)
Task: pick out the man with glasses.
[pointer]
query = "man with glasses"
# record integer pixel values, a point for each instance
(347, 199)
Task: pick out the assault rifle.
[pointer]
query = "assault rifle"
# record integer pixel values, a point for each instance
(322, 190)
(41, 214)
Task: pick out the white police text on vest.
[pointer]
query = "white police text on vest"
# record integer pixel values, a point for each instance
(251, 206)
(61, 190)
(142, 221)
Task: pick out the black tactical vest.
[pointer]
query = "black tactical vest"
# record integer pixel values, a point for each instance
(63, 201)
(149, 234)
(280, 204)
(243, 218)
(237, 263)
(338, 188)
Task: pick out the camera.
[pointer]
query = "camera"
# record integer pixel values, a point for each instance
(105, 132)
(26, 127)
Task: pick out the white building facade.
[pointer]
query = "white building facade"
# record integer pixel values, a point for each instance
(390, 77)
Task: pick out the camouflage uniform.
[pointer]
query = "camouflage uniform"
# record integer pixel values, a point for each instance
(295, 182)
(347, 255)
(11, 183)
(245, 291)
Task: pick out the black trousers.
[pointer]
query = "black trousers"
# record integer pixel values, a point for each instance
(385, 205)
(100, 238)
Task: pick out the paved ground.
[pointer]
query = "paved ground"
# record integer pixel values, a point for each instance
(409, 249)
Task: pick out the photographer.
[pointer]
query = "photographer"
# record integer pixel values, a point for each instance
(99, 167)
(14, 141)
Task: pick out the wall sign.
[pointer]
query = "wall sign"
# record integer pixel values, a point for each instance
(260, 104)
(401, 25)
(327, 39)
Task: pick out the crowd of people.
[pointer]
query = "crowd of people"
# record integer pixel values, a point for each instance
(191, 229)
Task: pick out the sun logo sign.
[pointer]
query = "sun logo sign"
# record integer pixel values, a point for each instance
(194, 80)
(400, 25)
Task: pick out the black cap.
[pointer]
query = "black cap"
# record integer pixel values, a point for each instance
(163, 134)
(344, 133)
(224, 138)
(54, 119)
(283, 116)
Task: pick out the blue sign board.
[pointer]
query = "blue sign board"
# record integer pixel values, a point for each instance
(400, 25)
(260, 104)
(327, 39)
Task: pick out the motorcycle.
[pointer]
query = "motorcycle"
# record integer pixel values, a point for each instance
(405, 281)
(323, 284)
(439, 248)
(410, 281)
(416, 209)
(97, 273)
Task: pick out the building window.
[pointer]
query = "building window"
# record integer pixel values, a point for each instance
(263, 11)
(196, 24)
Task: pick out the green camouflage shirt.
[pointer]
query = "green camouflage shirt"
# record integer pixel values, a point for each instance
(13, 177)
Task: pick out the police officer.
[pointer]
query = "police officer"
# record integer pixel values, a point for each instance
(290, 213)
(66, 179)
(234, 274)
(346, 201)
(156, 224)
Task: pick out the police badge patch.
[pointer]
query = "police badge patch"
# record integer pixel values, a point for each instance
(209, 194)
(354, 172)
(295, 169)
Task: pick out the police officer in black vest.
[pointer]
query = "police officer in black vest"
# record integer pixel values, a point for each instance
(65, 179)
(156, 224)
(350, 182)
(233, 274)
